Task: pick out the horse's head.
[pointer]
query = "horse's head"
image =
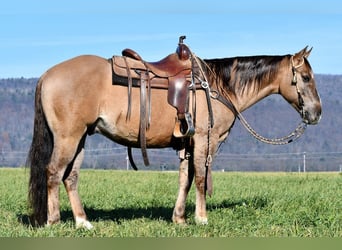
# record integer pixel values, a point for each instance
(301, 92)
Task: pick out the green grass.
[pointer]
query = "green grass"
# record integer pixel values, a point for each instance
(121, 204)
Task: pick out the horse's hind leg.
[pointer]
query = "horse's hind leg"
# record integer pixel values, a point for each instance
(63, 154)
(70, 180)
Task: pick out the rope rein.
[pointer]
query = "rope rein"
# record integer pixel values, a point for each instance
(298, 132)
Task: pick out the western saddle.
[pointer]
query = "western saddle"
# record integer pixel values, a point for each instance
(173, 73)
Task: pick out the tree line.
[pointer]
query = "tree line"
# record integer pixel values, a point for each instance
(272, 117)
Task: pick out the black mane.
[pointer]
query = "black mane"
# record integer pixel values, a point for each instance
(237, 74)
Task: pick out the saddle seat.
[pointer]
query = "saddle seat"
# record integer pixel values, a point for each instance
(172, 65)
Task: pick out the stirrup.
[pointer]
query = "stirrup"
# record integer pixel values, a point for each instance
(184, 127)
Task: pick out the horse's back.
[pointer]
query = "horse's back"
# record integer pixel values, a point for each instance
(78, 70)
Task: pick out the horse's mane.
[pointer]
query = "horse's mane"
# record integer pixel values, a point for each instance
(238, 74)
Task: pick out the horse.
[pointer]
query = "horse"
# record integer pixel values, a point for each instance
(77, 98)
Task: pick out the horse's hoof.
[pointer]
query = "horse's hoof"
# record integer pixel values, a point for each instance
(201, 220)
(52, 222)
(178, 220)
(83, 223)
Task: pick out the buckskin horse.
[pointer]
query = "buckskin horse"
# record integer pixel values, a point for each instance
(78, 97)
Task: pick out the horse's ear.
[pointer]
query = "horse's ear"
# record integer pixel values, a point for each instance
(303, 53)
(307, 52)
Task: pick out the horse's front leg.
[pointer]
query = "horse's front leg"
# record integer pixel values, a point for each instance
(202, 177)
(200, 181)
(186, 175)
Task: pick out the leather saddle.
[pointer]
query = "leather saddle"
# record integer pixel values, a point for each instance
(178, 73)
(172, 73)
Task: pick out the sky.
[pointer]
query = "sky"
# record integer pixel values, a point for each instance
(37, 34)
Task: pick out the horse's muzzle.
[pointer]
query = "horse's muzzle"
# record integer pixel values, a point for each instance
(312, 116)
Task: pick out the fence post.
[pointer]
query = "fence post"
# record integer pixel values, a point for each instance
(304, 162)
(127, 162)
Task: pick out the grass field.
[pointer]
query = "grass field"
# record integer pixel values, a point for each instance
(120, 204)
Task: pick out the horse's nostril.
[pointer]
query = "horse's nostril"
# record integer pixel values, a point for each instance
(311, 118)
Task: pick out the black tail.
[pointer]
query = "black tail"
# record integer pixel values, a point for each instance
(38, 158)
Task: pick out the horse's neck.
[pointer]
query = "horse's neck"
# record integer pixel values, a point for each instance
(248, 98)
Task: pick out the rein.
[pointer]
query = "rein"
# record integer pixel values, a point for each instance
(298, 131)
(291, 137)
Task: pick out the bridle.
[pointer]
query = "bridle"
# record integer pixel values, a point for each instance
(297, 132)
(294, 82)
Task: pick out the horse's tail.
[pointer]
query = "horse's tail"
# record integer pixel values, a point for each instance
(38, 158)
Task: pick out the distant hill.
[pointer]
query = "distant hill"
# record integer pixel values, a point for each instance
(272, 117)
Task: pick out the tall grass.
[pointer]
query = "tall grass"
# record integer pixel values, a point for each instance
(127, 203)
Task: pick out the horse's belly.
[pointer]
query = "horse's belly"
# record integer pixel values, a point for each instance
(158, 134)
(123, 129)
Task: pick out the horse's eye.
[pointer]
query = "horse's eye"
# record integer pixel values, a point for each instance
(306, 78)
